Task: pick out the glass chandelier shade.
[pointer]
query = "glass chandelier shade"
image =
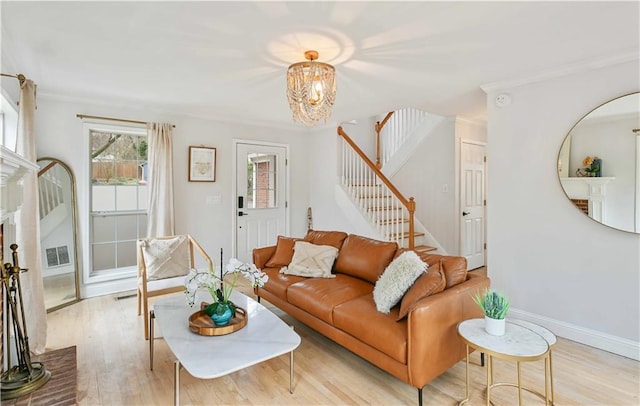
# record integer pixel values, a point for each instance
(311, 89)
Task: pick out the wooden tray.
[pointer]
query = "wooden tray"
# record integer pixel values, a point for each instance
(201, 323)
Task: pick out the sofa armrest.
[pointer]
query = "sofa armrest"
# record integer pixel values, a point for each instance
(262, 255)
(433, 342)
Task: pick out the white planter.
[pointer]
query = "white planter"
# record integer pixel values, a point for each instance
(495, 327)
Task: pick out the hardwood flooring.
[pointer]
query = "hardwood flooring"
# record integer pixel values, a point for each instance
(113, 369)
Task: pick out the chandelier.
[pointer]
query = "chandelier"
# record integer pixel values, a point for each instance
(311, 89)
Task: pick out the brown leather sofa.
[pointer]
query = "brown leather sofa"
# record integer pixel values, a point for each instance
(416, 348)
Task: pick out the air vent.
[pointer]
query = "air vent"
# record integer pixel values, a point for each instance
(57, 256)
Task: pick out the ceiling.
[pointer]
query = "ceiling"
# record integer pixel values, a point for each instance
(228, 60)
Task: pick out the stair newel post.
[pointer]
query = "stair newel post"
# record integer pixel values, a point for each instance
(378, 128)
(412, 208)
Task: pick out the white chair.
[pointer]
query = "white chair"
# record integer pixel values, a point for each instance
(163, 263)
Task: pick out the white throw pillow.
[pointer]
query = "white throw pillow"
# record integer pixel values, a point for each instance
(166, 258)
(396, 279)
(311, 260)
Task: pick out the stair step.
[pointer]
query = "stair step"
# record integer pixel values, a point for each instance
(424, 248)
(384, 208)
(395, 236)
(392, 221)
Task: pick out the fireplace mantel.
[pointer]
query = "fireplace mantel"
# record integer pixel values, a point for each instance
(589, 188)
(12, 168)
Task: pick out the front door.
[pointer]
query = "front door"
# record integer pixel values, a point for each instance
(472, 203)
(261, 190)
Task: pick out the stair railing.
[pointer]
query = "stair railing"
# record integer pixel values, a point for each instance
(50, 189)
(387, 208)
(399, 126)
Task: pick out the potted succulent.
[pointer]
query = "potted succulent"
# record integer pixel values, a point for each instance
(494, 305)
(221, 310)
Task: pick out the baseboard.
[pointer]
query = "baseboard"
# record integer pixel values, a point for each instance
(108, 287)
(607, 342)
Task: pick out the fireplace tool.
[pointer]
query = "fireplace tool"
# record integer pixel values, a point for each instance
(26, 376)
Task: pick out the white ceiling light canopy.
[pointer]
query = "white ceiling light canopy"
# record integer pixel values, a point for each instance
(311, 89)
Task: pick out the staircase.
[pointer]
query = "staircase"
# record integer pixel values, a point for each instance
(53, 208)
(389, 213)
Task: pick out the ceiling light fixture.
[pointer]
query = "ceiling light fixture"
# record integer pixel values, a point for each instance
(311, 89)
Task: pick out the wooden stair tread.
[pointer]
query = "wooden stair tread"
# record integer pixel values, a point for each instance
(405, 235)
(393, 221)
(424, 248)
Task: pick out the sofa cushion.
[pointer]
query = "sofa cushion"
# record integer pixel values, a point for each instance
(429, 283)
(278, 283)
(364, 257)
(283, 254)
(319, 296)
(359, 318)
(311, 260)
(333, 238)
(453, 268)
(396, 279)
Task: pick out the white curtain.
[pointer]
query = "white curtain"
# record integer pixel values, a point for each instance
(160, 218)
(28, 226)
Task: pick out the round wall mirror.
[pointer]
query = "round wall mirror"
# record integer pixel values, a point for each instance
(58, 233)
(599, 164)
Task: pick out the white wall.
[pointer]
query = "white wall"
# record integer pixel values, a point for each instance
(558, 267)
(59, 135)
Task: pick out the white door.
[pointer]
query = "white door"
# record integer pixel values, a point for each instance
(472, 232)
(261, 190)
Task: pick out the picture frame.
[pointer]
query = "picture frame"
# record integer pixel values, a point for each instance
(202, 164)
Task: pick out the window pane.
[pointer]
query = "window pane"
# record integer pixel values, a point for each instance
(127, 197)
(126, 254)
(261, 176)
(103, 198)
(143, 197)
(104, 229)
(104, 257)
(127, 227)
(142, 225)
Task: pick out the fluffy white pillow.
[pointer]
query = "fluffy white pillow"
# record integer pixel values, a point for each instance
(311, 260)
(396, 279)
(166, 257)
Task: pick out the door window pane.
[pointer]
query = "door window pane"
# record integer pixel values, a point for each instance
(261, 177)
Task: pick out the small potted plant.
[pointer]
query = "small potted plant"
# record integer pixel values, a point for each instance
(494, 305)
(221, 310)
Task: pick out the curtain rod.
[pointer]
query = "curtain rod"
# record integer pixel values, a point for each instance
(116, 119)
(21, 78)
(636, 130)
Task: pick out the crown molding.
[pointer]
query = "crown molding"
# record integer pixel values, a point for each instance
(472, 121)
(565, 70)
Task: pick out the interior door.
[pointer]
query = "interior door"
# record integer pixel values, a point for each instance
(472, 203)
(261, 190)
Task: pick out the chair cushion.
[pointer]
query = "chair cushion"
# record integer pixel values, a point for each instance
(429, 283)
(311, 260)
(365, 258)
(166, 257)
(283, 254)
(278, 283)
(333, 238)
(319, 296)
(359, 318)
(396, 279)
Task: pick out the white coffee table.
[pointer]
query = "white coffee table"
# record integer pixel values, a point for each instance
(522, 342)
(264, 337)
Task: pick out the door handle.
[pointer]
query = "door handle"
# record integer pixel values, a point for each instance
(466, 213)
(241, 213)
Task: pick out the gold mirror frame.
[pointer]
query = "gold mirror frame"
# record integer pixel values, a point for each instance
(610, 133)
(46, 165)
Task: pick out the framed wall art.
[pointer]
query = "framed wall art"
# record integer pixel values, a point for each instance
(202, 164)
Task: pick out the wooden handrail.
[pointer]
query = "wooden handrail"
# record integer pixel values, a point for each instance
(46, 168)
(378, 128)
(409, 204)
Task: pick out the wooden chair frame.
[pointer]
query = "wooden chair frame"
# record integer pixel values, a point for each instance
(144, 294)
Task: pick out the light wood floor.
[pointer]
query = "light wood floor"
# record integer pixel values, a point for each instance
(113, 369)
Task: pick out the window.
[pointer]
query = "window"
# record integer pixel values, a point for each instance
(118, 207)
(8, 123)
(261, 177)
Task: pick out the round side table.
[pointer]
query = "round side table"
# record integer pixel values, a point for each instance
(522, 342)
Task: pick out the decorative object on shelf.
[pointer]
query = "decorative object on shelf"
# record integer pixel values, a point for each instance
(221, 310)
(494, 305)
(202, 164)
(311, 89)
(592, 167)
(25, 376)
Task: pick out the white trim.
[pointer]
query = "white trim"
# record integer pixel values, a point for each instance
(607, 342)
(636, 201)
(560, 71)
(234, 182)
(107, 288)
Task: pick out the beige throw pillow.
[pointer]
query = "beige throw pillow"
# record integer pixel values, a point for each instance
(166, 258)
(311, 260)
(396, 279)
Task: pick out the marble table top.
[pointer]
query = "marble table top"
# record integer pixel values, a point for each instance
(264, 337)
(519, 342)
